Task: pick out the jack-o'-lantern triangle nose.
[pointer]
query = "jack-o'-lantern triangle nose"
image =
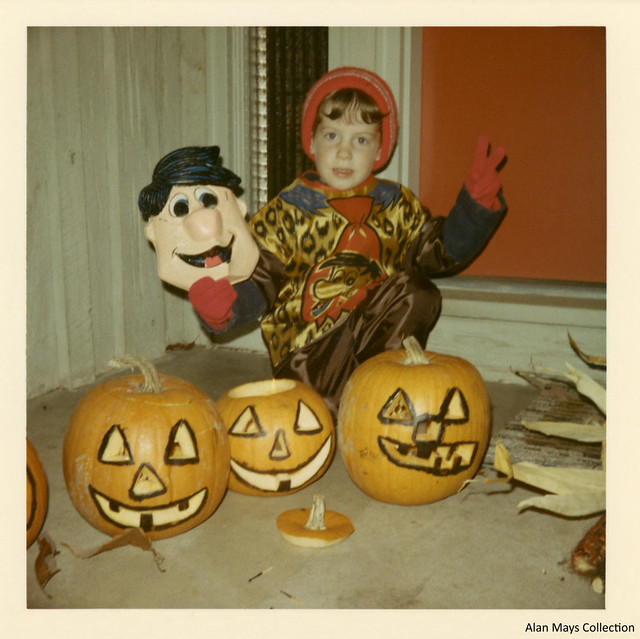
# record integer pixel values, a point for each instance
(280, 450)
(146, 483)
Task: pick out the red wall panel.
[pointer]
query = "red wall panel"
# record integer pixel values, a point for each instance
(541, 92)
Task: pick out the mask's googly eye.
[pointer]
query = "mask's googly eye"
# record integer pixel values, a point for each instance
(179, 205)
(206, 197)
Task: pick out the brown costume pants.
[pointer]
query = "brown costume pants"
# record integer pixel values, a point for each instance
(404, 304)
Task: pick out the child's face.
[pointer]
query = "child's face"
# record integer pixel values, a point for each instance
(345, 150)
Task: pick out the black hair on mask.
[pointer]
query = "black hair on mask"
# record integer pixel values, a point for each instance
(187, 166)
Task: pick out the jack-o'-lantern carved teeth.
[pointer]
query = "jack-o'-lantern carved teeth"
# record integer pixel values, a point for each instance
(149, 519)
(211, 257)
(114, 448)
(432, 458)
(276, 481)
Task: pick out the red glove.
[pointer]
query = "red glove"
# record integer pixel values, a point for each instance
(213, 300)
(483, 181)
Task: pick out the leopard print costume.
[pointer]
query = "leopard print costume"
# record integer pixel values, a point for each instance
(333, 247)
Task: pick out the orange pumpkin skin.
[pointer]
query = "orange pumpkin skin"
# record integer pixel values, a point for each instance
(412, 434)
(157, 460)
(37, 494)
(281, 434)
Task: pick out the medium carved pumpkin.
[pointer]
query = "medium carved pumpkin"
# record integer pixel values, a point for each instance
(37, 494)
(281, 434)
(413, 426)
(146, 451)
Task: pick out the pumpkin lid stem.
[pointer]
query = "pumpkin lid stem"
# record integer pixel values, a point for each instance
(414, 353)
(316, 514)
(150, 382)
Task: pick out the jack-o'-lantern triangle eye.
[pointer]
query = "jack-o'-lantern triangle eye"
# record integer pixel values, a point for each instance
(455, 407)
(114, 448)
(307, 422)
(182, 447)
(247, 424)
(398, 409)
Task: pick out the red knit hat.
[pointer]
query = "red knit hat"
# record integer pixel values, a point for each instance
(353, 78)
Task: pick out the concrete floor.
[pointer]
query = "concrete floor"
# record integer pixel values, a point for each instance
(470, 551)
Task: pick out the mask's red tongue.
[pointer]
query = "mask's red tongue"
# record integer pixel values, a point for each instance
(212, 261)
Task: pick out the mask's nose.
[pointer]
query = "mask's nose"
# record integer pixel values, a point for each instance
(203, 224)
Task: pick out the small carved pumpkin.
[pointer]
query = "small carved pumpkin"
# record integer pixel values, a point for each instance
(413, 426)
(37, 494)
(281, 435)
(146, 451)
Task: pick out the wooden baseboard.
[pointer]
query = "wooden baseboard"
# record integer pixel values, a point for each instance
(502, 326)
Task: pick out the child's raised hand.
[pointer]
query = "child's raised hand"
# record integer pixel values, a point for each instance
(483, 181)
(213, 300)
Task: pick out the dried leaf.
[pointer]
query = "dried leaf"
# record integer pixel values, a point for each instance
(569, 430)
(130, 537)
(578, 504)
(590, 359)
(502, 461)
(45, 564)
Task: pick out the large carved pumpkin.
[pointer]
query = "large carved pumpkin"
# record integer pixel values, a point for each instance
(413, 426)
(37, 494)
(281, 435)
(146, 451)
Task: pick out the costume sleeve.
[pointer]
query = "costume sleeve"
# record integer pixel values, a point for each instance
(445, 245)
(268, 276)
(249, 306)
(469, 227)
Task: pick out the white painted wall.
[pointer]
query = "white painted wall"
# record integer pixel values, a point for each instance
(104, 105)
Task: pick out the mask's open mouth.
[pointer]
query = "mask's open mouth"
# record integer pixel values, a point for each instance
(215, 256)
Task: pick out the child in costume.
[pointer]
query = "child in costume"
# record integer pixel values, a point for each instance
(346, 258)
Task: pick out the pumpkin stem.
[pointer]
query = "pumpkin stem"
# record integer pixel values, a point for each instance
(150, 380)
(316, 515)
(414, 352)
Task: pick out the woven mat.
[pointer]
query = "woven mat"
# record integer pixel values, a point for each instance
(557, 401)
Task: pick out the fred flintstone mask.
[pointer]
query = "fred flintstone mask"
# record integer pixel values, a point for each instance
(195, 221)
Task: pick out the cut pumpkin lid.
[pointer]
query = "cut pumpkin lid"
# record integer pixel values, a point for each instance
(314, 527)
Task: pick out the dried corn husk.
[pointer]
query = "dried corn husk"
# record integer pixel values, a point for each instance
(575, 491)
(569, 430)
(584, 384)
(590, 359)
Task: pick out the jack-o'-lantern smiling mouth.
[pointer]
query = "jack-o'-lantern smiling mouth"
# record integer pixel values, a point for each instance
(285, 480)
(434, 458)
(149, 518)
(214, 256)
